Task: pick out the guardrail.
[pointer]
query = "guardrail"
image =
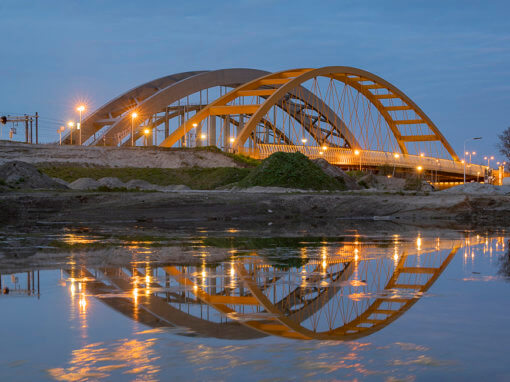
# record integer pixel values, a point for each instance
(347, 157)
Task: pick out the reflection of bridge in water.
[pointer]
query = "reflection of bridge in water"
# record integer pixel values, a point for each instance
(330, 293)
(351, 117)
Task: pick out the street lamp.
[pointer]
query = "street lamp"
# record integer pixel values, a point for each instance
(134, 115)
(80, 109)
(357, 153)
(304, 140)
(71, 125)
(146, 132)
(396, 156)
(469, 139)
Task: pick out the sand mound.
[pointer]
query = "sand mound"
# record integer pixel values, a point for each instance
(84, 184)
(23, 175)
(112, 182)
(139, 184)
(478, 188)
(337, 173)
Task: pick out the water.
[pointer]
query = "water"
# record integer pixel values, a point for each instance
(356, 307)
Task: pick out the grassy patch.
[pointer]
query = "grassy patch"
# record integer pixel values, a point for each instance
(194, 177)
(240, 159)
(290, 170)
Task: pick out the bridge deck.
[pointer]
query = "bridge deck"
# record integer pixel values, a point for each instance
(347, 157)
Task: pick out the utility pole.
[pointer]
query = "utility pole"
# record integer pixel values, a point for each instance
(31, 130)
(36, 127)
(26, 128)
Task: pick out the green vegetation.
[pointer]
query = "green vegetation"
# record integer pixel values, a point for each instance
(194, 177)
(356, 174)
(290, 170)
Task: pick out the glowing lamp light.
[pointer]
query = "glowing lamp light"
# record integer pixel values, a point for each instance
(146, 131)
(304, 140)
(203, 137)
(232, 140)
(356, 152)
(320, 153)
(195, 124)
(80, 108)
(419, 168)
(396, 155)
(134, 115)
(324, 148)
(422, 155)
(70, 123)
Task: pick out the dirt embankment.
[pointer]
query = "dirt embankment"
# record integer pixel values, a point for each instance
(154, 157)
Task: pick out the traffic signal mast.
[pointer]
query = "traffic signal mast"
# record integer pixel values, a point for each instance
(28, 120)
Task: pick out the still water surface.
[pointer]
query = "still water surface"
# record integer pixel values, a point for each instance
(351, 308)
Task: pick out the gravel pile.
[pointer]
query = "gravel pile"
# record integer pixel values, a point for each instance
(478, 188)
(23, 175)
(84, 184)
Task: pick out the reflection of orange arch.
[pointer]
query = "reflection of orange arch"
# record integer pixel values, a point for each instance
(282, 325)
(273, 87)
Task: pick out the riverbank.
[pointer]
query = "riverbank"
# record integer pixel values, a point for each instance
(245, 209)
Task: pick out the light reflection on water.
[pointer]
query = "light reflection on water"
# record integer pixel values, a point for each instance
(242, 316)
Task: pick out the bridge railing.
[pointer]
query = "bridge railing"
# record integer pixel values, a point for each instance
(347, 157)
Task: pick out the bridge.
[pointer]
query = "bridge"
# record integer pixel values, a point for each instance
(348, 116)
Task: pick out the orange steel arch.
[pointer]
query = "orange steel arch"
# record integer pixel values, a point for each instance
(276, 85)
(263, 87)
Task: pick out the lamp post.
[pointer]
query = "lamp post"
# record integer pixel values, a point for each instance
(133, 117)
(146, 132)
(80, 109)
(71, 125)
(358, 154)
(396, 156)
(232, 140)
(469, 139)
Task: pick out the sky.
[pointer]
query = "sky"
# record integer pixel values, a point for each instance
(451, 57)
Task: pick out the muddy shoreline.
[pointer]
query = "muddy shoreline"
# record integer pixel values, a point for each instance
(249, 210)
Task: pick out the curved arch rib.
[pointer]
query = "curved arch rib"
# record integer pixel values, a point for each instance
(112, 110)
(264, 87)
(158, 101)
(354, 78)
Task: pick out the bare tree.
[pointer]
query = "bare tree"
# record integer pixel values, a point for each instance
(504, 144)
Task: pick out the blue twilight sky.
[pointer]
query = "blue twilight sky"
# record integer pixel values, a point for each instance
(451, 57)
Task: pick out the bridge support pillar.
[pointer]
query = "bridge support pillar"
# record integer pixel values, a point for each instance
(198, 136)
(212, 130)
